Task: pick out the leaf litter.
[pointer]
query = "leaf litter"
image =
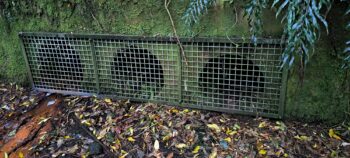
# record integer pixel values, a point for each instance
(93, 127)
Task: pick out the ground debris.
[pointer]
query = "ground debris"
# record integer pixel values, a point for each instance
(93, 127)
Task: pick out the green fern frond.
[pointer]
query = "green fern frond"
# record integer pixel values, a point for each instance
(195, 9)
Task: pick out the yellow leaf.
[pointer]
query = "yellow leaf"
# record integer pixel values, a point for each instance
(181, 145)
(86, 122)
(174, 110)
(156, 145)
(232, 133)
(285, 155)
(214, 127)
(228, 139)
(109, 101)
(303, 138)
(20, 154)
(167, 137)
(222, 120)
(213, 153)
(262, 124)
(6, 155)
(196, 149)
(262, 152)
(85, 155)
(186, 111)
(66, 137)
(114, 148)
(26, 104)
(131, 130)
(131, 139)
(332, 134)
(124, 154)
(278, 153)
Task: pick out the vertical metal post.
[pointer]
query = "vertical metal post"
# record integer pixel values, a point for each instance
(283, 92)
(20, 35)
(180, 75)
(93, 51)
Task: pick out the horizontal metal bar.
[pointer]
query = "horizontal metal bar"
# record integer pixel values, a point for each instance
(184, 40)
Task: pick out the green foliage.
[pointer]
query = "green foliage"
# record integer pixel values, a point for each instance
(302, 27)
(302, 21)
(347, 50)
(195, 9)
(254, 12)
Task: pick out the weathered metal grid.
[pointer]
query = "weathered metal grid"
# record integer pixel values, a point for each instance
(237, 77)
(229, 75)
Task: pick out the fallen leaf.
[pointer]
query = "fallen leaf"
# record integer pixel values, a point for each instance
(86, 122)
(345, 144)
(228, 139)
(262, 152)
(186, 111)
(20, 154)
(6, 155)
(131, 139)
(173, 110)
(303, 138)
(332, 134)
(262, 124)
(214, 127)
(73, 149)
(170, 155)
(214, 153)
(26, 104)
(181, 145)
(43, 120)
(51, 102)
(131, 130)
(124, 154)
(156, 145)
(196, 149)
(102, 133)
(280, 126)
(107, 100)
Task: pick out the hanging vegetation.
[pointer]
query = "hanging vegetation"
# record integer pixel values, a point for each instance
(302, 21)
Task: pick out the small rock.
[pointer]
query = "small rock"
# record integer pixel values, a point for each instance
(95, 148)
(224, 144)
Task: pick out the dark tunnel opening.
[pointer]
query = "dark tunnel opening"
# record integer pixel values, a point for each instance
(135, 68)
(231, 77)
(59, 64)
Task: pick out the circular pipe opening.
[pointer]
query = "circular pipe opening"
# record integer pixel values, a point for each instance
(230, 76)
(137, 71)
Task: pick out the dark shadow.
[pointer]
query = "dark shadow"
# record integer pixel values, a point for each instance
(59, 64)
(135, 68)
(230, 76)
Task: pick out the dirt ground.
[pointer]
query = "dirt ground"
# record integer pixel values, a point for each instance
(36, 124)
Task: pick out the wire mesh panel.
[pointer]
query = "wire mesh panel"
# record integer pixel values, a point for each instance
(237, 77)
(138, 69)
(58, 63)
(229, 75)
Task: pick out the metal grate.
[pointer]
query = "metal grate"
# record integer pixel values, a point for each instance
(228, 75)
